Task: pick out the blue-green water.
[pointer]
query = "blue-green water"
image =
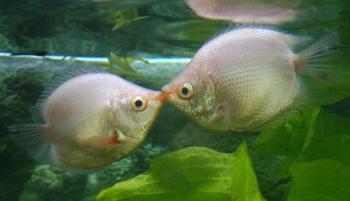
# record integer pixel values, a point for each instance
(305, 158)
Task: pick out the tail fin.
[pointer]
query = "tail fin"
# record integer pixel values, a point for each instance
(317, 61)
(31, 137)
(324, 69)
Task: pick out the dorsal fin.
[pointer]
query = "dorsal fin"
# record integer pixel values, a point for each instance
(55, 83)
(65, 76)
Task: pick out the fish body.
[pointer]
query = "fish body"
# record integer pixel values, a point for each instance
(91, 120)
(243, 79)
(243, 11)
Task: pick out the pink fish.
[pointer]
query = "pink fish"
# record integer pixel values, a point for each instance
(243, 11)
(246, 78)
(90, 120)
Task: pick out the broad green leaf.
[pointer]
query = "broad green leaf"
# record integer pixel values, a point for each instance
(331, 124)
(289, 138)
(191, 174)
(331, 139)
(310, 132)
(320, 180)
(332, 147)
(308, 135)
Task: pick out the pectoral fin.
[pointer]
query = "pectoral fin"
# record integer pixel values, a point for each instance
(101, 143)
(220, 111)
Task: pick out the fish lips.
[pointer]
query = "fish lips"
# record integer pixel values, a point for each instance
(160, 96)
(168, 90)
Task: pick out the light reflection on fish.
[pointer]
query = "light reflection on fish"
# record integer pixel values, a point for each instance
(243, 11)
(90, 120)
(247, 77)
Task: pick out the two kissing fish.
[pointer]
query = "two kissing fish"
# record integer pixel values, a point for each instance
(239, 81)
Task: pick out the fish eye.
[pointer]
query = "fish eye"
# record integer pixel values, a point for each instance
(186, 91)
(139, 103)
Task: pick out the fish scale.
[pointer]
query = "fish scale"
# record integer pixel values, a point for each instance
(91, 120)
(253, 77)
(243, 81)
(245, 11)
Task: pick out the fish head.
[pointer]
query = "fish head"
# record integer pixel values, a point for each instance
(193, 93)
(203, 5)
(135, 113)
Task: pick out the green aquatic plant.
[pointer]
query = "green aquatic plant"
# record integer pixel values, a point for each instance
(310, 134)
(320, 180)
(121, 66)
(124, 18)
(288, 139)
(314, 165)
(192, 174)
(315, 146)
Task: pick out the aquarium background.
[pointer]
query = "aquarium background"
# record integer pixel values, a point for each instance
(148, 42)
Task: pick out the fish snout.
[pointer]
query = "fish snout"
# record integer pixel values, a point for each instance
(159, 96)
(168, 90)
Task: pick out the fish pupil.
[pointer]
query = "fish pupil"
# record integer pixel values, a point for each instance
(184, 91)
(138, 103)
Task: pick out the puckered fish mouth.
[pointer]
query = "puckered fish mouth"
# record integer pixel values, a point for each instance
(161, 97)
(158, 96)
(168, 91)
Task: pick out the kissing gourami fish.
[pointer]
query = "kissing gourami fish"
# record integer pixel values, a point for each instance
(247, 77)
(246, 11)
(90, 120)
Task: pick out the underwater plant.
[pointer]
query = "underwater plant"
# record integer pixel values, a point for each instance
(124, 18)
(313, 147)
(121, 66)
(189, 174)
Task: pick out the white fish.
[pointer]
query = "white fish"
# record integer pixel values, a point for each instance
(246, 78)
(243, 11)
(90, 120)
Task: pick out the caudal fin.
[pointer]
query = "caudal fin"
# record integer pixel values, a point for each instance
(318, 61)
(31, 137)
(324, 69)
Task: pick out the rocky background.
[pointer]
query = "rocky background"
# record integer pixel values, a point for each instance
(80, 27)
